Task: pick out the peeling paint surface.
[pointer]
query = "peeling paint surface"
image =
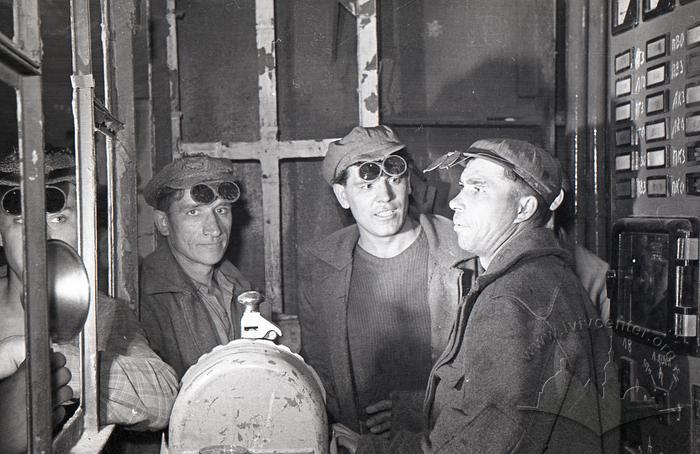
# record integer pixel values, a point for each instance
(216, 406)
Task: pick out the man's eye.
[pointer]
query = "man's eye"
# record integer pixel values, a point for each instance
(394, 180)
(223, 210)
(192, 212)
(58, 219)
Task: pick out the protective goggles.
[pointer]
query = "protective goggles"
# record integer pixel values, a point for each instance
(55, 200)
(206, 193)
(454, 158)
(392, 165)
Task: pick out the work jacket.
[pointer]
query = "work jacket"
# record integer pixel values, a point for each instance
(324, 288)
(524, 366)
(176, 321)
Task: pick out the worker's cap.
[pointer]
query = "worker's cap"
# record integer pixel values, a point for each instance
(186, 172)
(538, 168)
(59, 166)
(360, 145)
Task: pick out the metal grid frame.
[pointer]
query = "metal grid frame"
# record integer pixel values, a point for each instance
(269, 150)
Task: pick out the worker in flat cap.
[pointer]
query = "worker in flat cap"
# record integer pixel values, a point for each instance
(188, 288)
(136, 388)
(377, 298)
(523, 369)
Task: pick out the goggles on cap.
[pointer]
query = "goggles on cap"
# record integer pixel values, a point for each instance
(55, 201)
(454, 158)
(392, 165)
(206, 193)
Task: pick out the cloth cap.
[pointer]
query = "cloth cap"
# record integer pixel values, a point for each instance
(59, 166)
(186, 172)
(538, 168)
(360, 145)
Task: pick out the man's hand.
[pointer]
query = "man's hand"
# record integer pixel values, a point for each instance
(60, 391)
(379, 421)
(345, 437)
(11, 355)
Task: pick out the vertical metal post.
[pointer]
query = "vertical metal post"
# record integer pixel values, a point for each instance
(35, 295)
(367, 62)
(267, 114)
(108, 71)
(576, 98)
(597, 58)
(171, 51)
(121, 151)
(83, 117)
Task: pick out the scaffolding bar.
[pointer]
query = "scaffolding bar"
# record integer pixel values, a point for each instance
(86, 183)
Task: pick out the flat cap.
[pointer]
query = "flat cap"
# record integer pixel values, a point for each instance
(186, 172)
(360, 145)
(538, 168)
(59, 165)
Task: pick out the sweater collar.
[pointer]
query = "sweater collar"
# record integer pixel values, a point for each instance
(337, 248)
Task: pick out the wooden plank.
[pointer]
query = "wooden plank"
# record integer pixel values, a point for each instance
(83, 120)
(367, 63)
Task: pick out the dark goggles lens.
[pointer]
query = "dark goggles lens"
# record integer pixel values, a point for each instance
(392, 165)
(55, 201)
(206, 193)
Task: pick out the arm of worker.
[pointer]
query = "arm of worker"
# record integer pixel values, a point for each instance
(479, 406)
(314, 337)
(13, 400)
(138, 388)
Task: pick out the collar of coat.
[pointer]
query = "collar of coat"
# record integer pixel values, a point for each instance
(165, 275)
(529, 244)
(337, 249)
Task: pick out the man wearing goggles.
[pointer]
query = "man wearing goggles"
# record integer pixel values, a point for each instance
(188, 288)
(377, 297)
(137, 389)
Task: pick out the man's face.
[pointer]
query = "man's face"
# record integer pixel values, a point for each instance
(380, 207)
(485, 208)
(198, 234)
(61, 226)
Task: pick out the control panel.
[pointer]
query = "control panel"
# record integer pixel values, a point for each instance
(654, 166)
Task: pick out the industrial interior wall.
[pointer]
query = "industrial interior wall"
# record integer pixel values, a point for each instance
(450, 73)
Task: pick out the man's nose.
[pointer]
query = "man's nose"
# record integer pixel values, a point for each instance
(384, 191)
(212, 226)
(455, 204)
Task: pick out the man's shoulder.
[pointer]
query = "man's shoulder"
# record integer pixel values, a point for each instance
(534, 283)
(334, 249)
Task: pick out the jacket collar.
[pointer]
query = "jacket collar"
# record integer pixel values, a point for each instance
(337, 248)
(526, 245)
(165, 275)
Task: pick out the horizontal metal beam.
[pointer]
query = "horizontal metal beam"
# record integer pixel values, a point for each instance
(256, 151)
(18, 59)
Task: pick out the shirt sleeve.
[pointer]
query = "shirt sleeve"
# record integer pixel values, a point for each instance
(137, 388)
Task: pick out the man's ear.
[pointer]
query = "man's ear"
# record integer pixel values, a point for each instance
(527, 206)
(160, 218)
(341, 195)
